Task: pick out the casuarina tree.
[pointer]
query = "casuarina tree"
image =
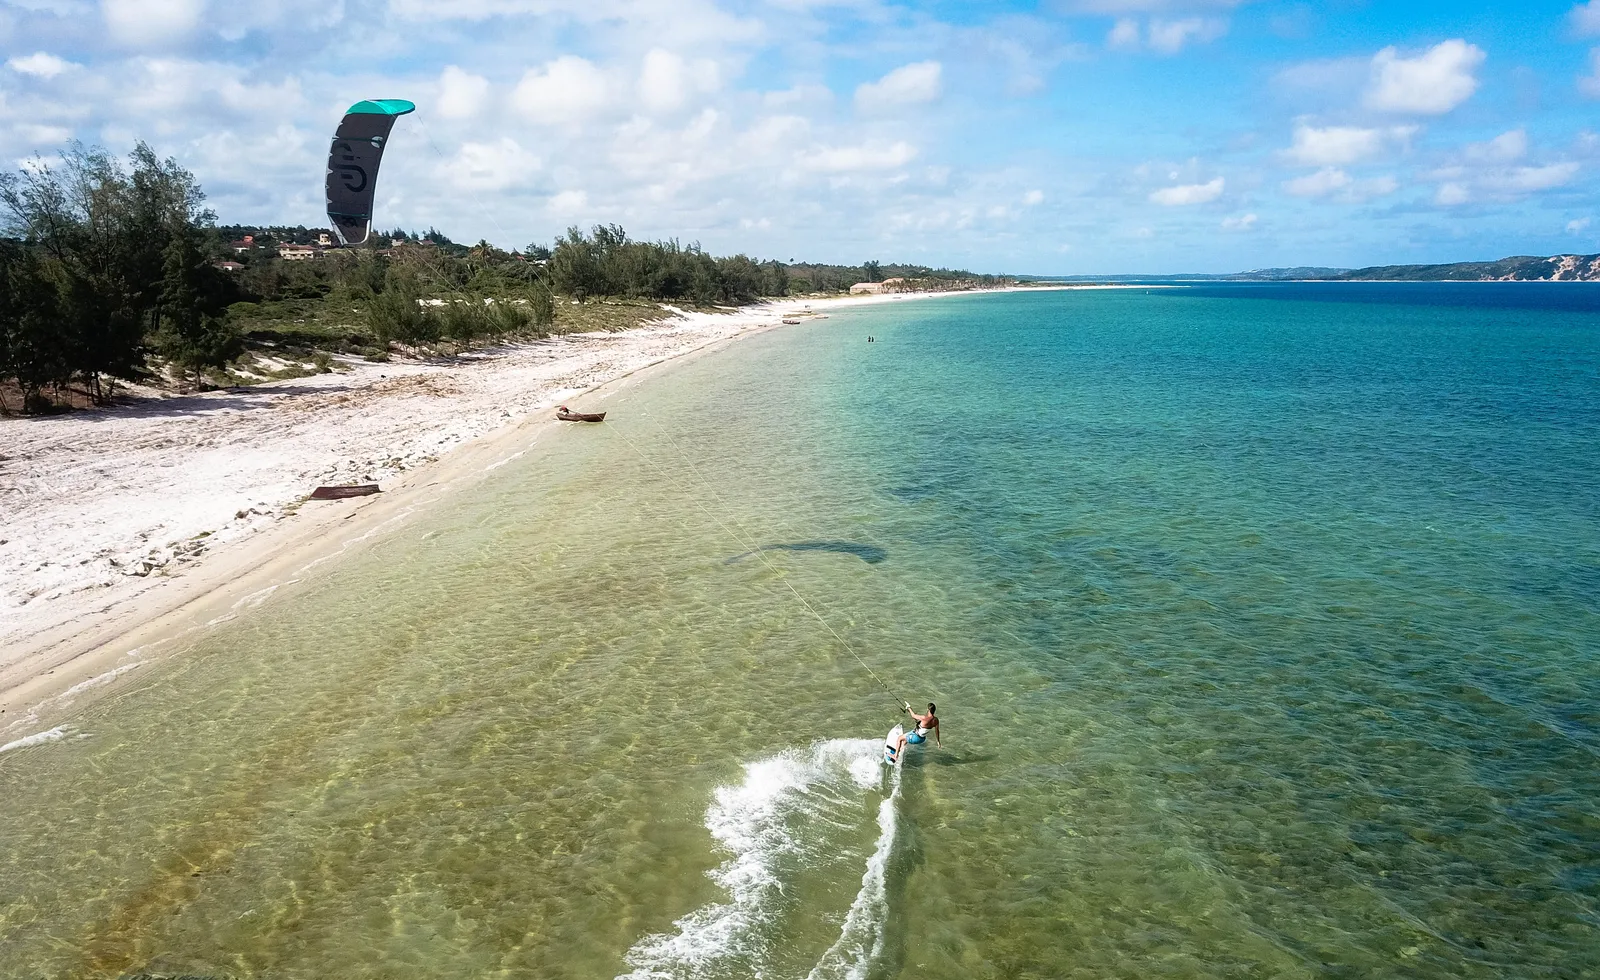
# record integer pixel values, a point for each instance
(96, 234)
(191, 334)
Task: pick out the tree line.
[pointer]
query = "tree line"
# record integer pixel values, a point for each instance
(115, 272)
(606, 262)
(105, 264)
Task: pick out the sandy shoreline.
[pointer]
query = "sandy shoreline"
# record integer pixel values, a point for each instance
(125, 529)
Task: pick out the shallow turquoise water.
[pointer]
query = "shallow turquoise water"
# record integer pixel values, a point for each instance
(1264, 623)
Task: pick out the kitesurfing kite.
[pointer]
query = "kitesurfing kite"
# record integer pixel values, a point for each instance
(353, 165)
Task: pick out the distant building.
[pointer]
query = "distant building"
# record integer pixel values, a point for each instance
(243, 245)
(296, 253)
(867, 287)
(229, 266)
(325, 240)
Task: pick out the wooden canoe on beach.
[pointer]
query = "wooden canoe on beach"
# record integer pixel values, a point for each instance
(566, 415)
(339, 493)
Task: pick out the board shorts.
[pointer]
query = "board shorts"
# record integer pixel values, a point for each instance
(916, 738)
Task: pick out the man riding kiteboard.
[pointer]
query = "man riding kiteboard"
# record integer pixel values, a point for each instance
(927, 724)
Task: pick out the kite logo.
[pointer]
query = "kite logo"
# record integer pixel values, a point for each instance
(354, 178)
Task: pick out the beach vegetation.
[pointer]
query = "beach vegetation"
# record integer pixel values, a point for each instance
(397, 315)
(542, 307)
(606, 262)
(86, 270)
(34, 350)
(190, 332)
(114, 270)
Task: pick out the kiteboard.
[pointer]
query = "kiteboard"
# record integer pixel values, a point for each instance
(891, 746)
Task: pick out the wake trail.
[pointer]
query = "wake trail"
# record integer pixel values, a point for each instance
(787, 817)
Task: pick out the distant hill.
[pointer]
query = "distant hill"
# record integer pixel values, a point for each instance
(1255, 275)
(1517, 268)
(1294, 272)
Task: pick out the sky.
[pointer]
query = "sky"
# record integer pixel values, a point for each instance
(1057, 137)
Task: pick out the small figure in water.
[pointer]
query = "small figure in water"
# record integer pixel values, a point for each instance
(926, 724)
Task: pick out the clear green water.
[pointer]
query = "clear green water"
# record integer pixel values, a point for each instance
(1264, 626)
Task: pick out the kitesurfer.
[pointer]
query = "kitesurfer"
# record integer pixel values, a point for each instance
(927, 724)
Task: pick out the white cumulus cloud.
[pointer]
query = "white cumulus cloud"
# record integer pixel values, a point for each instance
(1184, 194)
(461, 93)
(1585, 19)
(1171, 36)
(1333, 182)
(1164, 35)
(667, 82)
(1336, 145)
(1124, 35)
(1372, 187)
(567, 90)
(866, 157)
(921, 81)
(40, 137)
(1116, 7)
(1243, 222)
(158, 87)
(569, 203)
(1320, 184)
(1490, 172)
(771, 137)
(1432, 83)
(1508, 146)
(145, 22)
(491, 166)
(1589, 84)
(1577, 225)
(40, 64)
(1522, 180)
(1033, 197)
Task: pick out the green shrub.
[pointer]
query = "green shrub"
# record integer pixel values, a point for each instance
(542, 305)
(508, 317)
(396, 315)
(464, 319)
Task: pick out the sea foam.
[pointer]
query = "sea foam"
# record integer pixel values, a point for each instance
(38, 738)
(788, 808)
(860, 942)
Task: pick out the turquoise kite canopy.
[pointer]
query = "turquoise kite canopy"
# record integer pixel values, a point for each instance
(382, 107)
(353, 159)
